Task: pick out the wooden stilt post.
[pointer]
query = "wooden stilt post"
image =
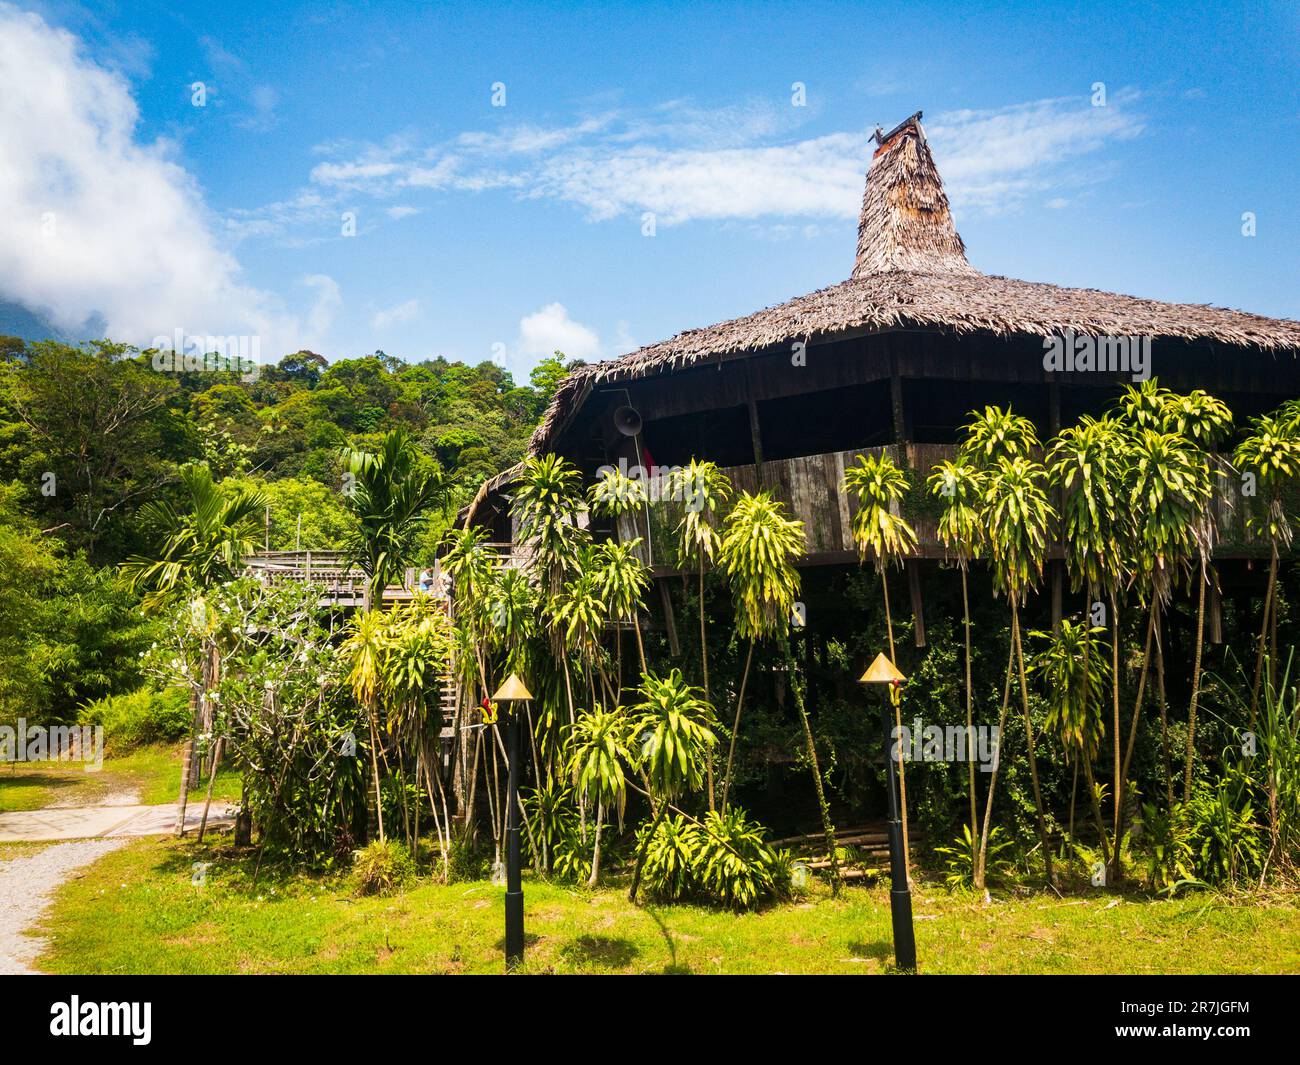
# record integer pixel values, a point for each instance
(670, 621)
(918, 607)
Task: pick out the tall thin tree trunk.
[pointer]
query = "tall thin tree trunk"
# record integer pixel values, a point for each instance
(1196, 683)
(1164, 716)
(970, 712)
(595, 853)
(704, 663)
(374, 766)
(827, 827)
(212, 777)
(1074, 794)
(1264, 626)
(1153, 615)
(898, 724)
(993, 777)
(1091, 781)
(1113, 873)
(1029, 737)
(735, 728)
(640, 646)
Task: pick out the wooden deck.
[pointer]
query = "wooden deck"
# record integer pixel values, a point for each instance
(341, 585)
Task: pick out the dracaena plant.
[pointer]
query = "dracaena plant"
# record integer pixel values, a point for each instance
(960, 489)
(882, 534)
(1017, 514)
(622, 579)
(1170, 492)
(1072, 667)
(548, 505)
(599, 749)
(1270, 453)
(994, 434)
(674, 731)
(757, 554)
(704, 491)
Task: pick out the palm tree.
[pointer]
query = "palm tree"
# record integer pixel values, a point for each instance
(202, 544)
(388, 491)
(880, 532)
(961, 488)
(599, 749)
(1073, 680)
(756, 552)
(1017, 514)
(704, 490)
(199, 546)
(1271, 451)
(673, 733)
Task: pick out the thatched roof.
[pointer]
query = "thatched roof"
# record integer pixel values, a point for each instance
(911, 272)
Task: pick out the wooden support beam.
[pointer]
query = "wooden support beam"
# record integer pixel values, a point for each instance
(918, 607)
(1058, 579)
(670, 620)
(896, 404)
(1214, 610)
(756, 438)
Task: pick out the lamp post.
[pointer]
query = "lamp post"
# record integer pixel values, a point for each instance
(884, 673)
(513, 691)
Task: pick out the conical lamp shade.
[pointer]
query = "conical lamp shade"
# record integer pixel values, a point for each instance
(882, 671)
(512, 690)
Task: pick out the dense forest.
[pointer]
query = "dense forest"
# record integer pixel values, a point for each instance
(90, 434)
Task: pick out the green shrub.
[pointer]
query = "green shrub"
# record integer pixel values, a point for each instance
(140, 717)
(467, 862)
(735, 866)
(382, 868)
(960, 857)
(670, 857)
(723, 859)
(1225, 839)
(571, 857)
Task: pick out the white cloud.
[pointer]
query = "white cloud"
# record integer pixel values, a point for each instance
(993, 159)
(684, 164)
(551, 329)
(101, 224)
(402, 210)
(402, 312)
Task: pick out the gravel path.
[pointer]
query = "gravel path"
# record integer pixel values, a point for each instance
(26, 887)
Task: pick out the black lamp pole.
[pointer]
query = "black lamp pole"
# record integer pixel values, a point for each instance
(900, 895)
(509, 696)
(514, 884)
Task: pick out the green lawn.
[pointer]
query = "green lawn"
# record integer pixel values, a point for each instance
(138, 912)
(154, 772)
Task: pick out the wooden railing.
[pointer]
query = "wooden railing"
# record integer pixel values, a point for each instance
(811, 487)
(341, 584)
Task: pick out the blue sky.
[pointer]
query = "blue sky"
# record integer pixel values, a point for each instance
(501, 231)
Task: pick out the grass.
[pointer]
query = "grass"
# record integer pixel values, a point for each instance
(154, 772)
(138, 911)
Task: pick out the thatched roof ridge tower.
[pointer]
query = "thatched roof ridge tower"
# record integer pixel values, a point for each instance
(905, 222)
